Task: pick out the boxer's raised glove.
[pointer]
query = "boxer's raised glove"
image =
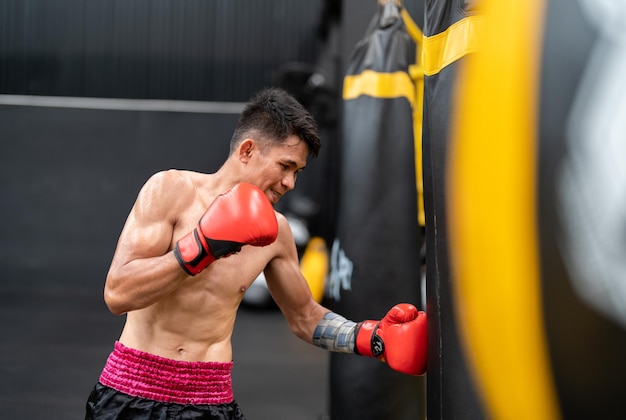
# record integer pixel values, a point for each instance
(399, 339)
(241, 216)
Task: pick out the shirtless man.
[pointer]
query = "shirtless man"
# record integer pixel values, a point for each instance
(191, 246)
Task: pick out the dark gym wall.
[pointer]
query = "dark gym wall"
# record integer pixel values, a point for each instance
(165, 49)
(69, 177)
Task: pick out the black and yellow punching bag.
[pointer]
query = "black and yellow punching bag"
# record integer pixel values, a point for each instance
(451, 32)
(374, 258)
(537, 198)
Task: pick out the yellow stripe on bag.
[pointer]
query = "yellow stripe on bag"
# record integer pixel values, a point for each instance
(379, 85)
(417, 75)
(460, 39)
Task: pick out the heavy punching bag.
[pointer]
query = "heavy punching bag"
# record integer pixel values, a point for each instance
(537, 189)
(451, 32)
(374, 258)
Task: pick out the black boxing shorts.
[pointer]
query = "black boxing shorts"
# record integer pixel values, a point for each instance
(139, 385)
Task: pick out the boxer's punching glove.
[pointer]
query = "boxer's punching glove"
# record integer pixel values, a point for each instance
(399, 339)
(241, 216)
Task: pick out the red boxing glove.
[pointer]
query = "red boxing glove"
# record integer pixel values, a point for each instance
(399, 339)
(241, 216)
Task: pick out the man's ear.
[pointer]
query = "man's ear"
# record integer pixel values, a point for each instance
(245, 149)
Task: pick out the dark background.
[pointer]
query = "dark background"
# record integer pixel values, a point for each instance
(163, 49)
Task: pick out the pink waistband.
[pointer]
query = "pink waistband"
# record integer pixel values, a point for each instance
(145, 375)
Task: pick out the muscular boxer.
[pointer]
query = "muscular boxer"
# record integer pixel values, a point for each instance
(191, 246)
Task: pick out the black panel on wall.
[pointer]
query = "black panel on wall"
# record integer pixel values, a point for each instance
(68, 179)
(220, 50)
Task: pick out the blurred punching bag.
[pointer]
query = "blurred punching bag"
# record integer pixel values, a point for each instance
(451, 32)
(537, 205)
(374, 258)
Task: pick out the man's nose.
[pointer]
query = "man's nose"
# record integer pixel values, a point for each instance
(289, 181)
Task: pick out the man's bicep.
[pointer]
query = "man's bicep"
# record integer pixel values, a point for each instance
(144, 239)
(149, 226)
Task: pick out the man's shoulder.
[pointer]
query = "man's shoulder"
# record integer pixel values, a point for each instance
(284, 228)
(170, 183)
(175, 178)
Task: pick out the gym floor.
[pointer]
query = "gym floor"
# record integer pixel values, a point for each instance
(55, 342)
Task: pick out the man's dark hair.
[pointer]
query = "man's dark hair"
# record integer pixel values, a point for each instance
(273, 115)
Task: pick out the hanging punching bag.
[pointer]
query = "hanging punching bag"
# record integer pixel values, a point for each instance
(451, 28)
(537, 189)
(374, 258)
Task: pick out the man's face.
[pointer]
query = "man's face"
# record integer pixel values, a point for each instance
(276, 169)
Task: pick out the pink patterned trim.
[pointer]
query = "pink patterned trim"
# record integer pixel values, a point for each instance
(145, 375)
